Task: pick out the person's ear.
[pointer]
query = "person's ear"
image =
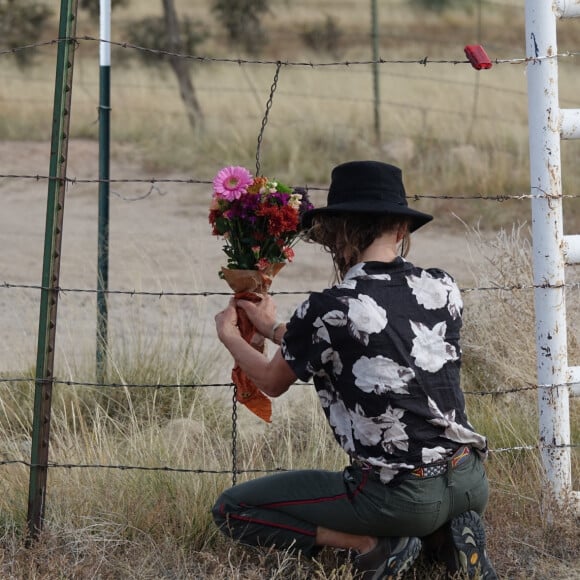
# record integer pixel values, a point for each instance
(401, 232)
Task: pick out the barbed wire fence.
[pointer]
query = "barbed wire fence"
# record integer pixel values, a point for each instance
(154, 185)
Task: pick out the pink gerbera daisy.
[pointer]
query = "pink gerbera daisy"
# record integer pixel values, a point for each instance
(231, 182)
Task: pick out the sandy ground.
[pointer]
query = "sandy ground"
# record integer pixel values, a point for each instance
(159, 243)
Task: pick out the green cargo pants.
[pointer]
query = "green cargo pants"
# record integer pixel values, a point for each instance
(284, 510)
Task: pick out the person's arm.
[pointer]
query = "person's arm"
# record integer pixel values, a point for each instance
(273, 377)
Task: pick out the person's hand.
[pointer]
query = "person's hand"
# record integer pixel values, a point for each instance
(226, 322)
(262, 314)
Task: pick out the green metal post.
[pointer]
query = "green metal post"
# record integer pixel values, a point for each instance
(51, 268)
(376, 88)
(103, 234)
(104, 176)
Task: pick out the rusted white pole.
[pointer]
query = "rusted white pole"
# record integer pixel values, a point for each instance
(567, 8)
(548, 244)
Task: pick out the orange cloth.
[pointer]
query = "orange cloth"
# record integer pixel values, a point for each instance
(249, 284)
(248, 394)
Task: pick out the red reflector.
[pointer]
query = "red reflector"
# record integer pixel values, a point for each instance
(477, 56)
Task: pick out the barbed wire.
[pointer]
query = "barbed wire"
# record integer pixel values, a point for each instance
(157, 386)
(206, 293)
(501, 197)
(199, 471)
(153, 183)
(423, 61)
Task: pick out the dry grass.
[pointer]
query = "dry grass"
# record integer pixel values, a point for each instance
(112, 523)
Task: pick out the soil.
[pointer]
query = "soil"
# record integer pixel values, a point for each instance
(160, 243)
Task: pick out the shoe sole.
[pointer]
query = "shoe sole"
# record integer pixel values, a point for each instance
(400, 562)
(468, 537)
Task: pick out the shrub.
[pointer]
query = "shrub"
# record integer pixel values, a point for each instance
(22, 23)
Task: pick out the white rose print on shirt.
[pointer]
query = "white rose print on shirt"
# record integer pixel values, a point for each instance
(430, 455)
(455, 304)
(321, 331)
(430, 350)
(395, 435)
(358, 272)
(380, 374)
(330, 355)
(366, 429)
(387, 429)
(453, 430)
(429, 292)
(303, 309)
(365, 317)
(340, 421)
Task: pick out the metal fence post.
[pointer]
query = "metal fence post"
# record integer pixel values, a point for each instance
(548, 243)
(51, 268)
(104, 193)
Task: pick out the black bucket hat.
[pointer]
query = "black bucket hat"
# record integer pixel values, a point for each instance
(369, 187)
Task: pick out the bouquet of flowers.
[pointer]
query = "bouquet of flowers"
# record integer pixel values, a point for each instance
(258, 219)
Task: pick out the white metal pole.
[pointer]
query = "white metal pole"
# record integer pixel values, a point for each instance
(105, 33)
(548, 257)
(567, 8)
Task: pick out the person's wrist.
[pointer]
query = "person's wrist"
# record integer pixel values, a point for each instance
(274, 329)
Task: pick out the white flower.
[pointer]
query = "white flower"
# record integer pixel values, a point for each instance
(454, 431)
(455, 303)
(355, 272)
(303, 309)
(429, 291)
(366, 429)
(388, 472)
(295, 200)
(321, 332)
(381, 374)
(395, 436)
(431, 455)
(335, 318)
(330, 355)
(430, 350)
(339, 418)
(366, 314)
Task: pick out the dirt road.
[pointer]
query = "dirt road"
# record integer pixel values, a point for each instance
(159, 242)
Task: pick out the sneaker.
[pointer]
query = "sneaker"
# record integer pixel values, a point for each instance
(385, 562)
(468, 538)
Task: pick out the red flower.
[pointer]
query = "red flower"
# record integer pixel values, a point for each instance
(281, 220)
(288, 253)
(257, 218)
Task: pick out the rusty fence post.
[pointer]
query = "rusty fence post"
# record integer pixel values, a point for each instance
(51, 268)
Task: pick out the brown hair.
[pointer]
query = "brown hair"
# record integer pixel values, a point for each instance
(346, 236)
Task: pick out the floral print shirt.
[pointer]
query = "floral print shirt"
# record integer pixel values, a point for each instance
(383, 349)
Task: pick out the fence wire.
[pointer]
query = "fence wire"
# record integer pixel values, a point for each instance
(155, 182)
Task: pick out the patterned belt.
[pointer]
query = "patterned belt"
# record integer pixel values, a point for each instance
(441, 467)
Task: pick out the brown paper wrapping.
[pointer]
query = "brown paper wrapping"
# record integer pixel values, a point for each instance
(249, 285)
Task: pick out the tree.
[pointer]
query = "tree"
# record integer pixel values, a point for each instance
(21, 24)
(242, 20)
(179, 65)
(170, 35)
